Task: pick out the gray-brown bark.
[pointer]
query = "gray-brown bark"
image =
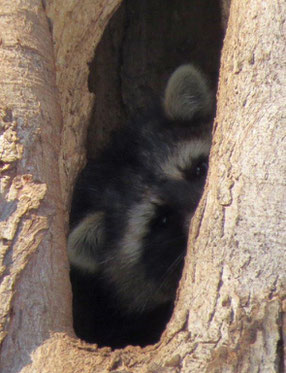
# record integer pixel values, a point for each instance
(34, 289)
(229, 314)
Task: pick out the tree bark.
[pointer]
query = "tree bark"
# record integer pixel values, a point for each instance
(35, 293)
(230, 311)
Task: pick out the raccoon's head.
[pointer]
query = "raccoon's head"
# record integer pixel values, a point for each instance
(140, 195)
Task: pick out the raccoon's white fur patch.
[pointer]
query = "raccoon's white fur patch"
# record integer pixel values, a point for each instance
(138, 218)
(187, 94)
(84, 240)
(126, 271)
(182, 156)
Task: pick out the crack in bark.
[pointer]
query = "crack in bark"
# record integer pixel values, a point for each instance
(219, 285)
(281, 344)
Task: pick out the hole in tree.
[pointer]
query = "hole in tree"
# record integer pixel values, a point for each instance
(144, 42)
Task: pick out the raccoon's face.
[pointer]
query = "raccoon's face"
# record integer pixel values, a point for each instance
(149, 255)
(137, 242)
(138, 199)
(165, 241)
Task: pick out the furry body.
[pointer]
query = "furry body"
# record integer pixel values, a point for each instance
(130, 216)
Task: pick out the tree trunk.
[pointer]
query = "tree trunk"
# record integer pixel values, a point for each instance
(230, 311)
(35, 293)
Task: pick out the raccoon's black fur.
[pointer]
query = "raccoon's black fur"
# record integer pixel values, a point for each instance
(130, 215)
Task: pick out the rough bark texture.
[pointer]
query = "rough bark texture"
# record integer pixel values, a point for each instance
(34, 290)
(230, 313)
(76, 28)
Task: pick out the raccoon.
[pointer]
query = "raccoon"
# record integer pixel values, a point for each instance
(130, 216)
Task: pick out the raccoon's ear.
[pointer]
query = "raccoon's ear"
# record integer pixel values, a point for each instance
(84, 242)
(187, 95)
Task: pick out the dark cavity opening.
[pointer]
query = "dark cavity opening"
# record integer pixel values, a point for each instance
(142, 45)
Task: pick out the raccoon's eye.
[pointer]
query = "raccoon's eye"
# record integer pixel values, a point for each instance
(162, 218)
(201, 169)
(198, 170)
(163, 221)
